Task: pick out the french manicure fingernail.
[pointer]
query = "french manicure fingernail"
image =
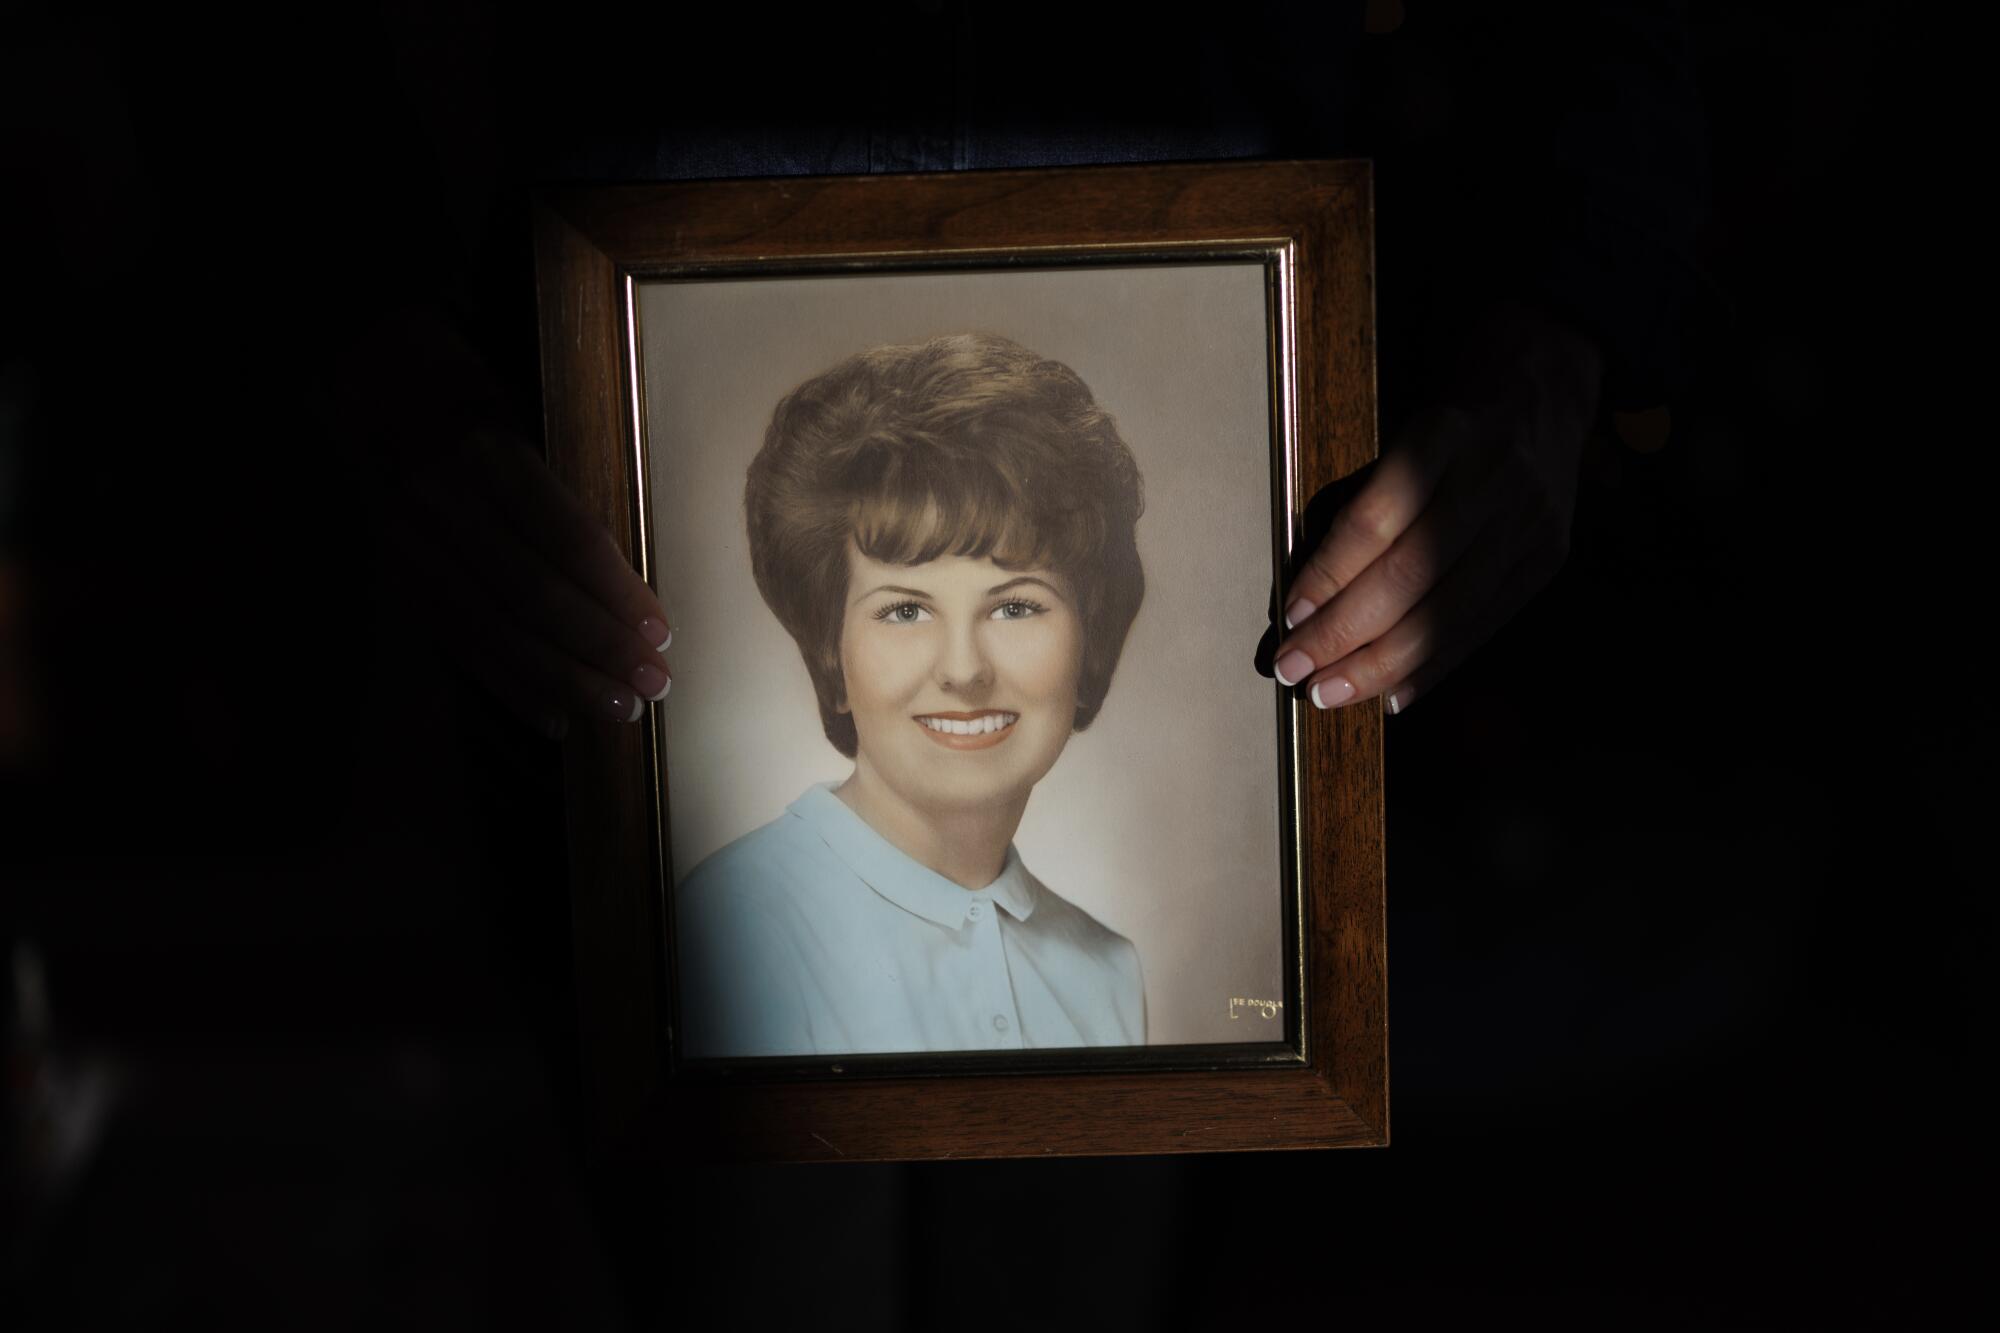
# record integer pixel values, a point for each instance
(1332, 692)
(1292, 667)
(1296, 613)
(650, 681)
(1394, 707)
(657, 633)
(622, 707)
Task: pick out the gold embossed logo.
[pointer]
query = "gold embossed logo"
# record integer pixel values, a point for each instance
(1238, 1006)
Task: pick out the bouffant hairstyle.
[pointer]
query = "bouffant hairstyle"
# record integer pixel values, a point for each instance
(969, 445)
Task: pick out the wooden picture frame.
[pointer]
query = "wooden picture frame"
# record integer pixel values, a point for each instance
(1325, 1082)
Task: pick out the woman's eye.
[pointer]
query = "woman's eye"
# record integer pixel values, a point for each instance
(905, 613)
(1015, 610)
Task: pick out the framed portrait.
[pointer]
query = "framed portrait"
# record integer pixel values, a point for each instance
(970, 828)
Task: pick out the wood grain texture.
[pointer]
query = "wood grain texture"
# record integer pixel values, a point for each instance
(613, 907)
(588, 240)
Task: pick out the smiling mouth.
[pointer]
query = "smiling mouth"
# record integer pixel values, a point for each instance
(968, 731)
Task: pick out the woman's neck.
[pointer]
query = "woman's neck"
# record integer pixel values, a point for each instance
(967, 847)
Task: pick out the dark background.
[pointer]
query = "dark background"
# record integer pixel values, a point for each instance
(1689, 960)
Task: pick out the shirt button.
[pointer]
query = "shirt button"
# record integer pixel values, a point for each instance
(974, 911)
(999, 1022)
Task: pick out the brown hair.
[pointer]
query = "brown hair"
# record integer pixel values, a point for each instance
(970, 445)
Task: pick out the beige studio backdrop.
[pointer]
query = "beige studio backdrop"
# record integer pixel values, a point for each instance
(1161, 820)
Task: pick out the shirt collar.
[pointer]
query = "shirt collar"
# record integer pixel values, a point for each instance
(915, 888)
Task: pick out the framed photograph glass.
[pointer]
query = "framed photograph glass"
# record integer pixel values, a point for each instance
(969, 828)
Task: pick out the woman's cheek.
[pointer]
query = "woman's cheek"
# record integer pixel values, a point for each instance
(1049, 660)
(889, 661)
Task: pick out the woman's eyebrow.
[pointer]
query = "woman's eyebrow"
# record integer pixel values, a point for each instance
(890, 587)
(1025, 578)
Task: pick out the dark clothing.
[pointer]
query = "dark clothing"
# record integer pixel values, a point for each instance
(1533, 155)
(1551, 157)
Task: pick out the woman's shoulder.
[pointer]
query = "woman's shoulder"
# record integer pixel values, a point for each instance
(766, 869)
(742, 931)
(1057, 916)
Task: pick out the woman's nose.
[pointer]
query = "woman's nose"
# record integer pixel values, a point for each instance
(962, 662)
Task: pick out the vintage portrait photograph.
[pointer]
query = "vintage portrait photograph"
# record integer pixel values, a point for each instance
(966, 751)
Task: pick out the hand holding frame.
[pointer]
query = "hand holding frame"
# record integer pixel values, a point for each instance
(1466, 518)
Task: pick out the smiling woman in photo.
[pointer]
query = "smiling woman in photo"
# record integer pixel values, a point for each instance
(947, 532)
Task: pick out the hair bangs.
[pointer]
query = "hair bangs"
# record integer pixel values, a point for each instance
(910, 515)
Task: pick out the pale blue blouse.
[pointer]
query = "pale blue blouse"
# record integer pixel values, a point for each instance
(814, 935)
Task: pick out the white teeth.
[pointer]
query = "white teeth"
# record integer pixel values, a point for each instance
(978, 726)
